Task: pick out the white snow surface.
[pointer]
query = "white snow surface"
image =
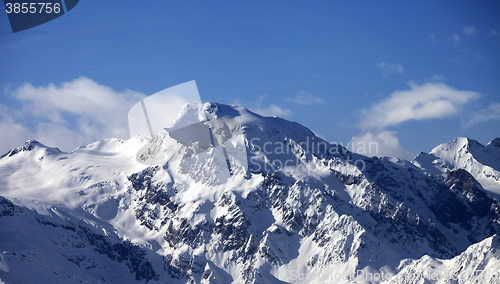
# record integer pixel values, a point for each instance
(299, 214)
(483, 162)
(480, 263)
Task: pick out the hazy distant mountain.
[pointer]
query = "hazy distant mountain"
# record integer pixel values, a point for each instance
(304, 211)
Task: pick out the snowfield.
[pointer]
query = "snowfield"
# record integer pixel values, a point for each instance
(297, 210)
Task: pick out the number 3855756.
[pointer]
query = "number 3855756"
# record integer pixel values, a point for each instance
(32, 8)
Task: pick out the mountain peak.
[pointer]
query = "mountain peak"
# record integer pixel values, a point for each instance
(494, 143)
(483, 162)
(302, 205)
(457, 145)
(28, 146)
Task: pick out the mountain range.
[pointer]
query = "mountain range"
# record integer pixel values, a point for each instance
(301, 211)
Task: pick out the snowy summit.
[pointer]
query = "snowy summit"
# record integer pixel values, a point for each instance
(292, 209)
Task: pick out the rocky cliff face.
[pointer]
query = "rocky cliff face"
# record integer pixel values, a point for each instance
(482, 162)
(305, 211)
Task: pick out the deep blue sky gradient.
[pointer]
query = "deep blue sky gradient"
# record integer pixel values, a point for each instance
(238, 51)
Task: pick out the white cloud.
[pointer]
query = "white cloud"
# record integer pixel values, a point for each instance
(269, 110)
(438, 78)
(470, 30)
(455, 38)
(17, 133)
(427, 101)
(305, 98)
(381, 143)
(492, 112)
(388, 69)
(493, 33)
(72, 114)
(433, 39)
(273, 110)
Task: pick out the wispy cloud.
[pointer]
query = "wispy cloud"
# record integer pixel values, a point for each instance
(470, 30)
(72, 114)
(421, 102)
(493, 33)
(427, 101)
(273, 110)
(455, 39)
(433, 39)
(388, 68)
(259, 107)
(438, 78)
(305, 98)
(492, 112)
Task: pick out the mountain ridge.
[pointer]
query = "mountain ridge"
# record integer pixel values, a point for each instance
(483, 162)
(329, 212)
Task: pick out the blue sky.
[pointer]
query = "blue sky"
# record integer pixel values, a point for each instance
(408, 74)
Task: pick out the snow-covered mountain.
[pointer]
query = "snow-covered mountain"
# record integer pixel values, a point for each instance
(303, 211)
(480, 263)
(483, 162)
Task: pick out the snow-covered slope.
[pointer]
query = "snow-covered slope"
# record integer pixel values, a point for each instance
(303, 211)
(483, 162)
(480, 263)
